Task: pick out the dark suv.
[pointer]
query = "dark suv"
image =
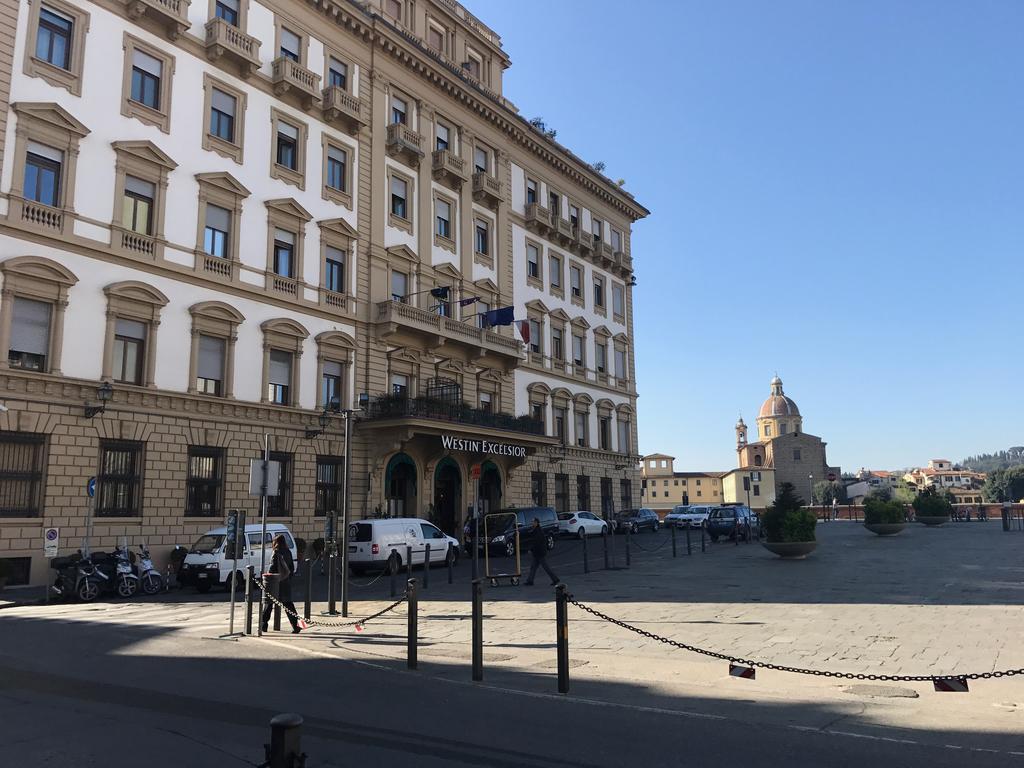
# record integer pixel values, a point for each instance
(635, 520)
(733, 520)
(501, 531)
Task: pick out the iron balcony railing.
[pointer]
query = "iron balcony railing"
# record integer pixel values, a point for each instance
(400, 407)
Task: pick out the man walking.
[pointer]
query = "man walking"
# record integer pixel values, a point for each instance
(538, 542)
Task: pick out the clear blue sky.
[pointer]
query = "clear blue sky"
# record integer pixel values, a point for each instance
(837, 194)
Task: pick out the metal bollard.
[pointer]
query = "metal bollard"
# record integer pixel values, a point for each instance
(408, 562)
(478, 630)
(285, 747)
(249, 571)
(411, 639)
(309, 588)
(277, 617)
(604, 539)
(332, 580)
(629, 536)
(673, 540)
(586, 559)
(562, 639)
(426, 567)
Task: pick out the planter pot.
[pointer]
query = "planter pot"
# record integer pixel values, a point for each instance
(791, 550)
(932, 519)
(885, 529)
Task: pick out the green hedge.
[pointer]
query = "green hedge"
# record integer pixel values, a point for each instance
(929, 503)
(881, 511)
(787, 520)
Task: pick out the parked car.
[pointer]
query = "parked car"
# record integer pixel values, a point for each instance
(733, 520)
(378, 544)
(581, 524)
(498, 531)
(636, 520)
(207, 563)
(687, 516)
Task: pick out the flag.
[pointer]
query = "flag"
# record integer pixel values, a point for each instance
(500, 316)
(440, 293)
(467, 302)
(524, 331)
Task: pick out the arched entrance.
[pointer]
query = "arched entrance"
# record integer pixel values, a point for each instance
(490, 486)
(400, 486)
(447, 495)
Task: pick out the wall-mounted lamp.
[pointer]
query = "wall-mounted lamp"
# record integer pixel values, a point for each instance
(331, 406)
(104, 392)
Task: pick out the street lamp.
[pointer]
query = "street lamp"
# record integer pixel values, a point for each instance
(810, 487)
(331, 406)
(104, 392)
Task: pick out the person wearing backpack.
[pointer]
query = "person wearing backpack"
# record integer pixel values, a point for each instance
(278, 583)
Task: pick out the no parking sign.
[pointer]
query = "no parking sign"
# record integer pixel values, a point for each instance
(51, 542)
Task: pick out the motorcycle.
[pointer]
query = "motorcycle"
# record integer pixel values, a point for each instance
(77, 576)
(150, 578)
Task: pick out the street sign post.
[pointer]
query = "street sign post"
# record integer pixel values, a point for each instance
(90, 490)
(51, 542)
(234, 536)
(264, 474)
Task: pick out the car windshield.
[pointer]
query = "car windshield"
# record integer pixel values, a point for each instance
(723, 513)
(208, 544)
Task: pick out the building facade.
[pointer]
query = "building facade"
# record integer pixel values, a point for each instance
(664, 488)
(219, 221)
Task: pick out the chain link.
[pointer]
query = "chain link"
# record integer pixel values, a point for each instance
(642, 548)
(795, 670)
(321, 622)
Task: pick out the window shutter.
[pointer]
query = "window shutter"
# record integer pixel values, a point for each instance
(280, 367)
(131, 329)
(331, 368)
(30, 326)
(147, 63)
(288, 130)
(218, 218)
(211, 358)
(284, 236)
(336, 154)
(139, 187)
(223, 102)
(44, 151)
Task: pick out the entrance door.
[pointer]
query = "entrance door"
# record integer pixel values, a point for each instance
(447, 496)
(490, 487)
(400, 486)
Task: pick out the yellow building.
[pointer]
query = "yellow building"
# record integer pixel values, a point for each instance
(753, 486)
(662, 488)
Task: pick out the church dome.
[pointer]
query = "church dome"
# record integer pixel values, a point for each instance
(778, 404)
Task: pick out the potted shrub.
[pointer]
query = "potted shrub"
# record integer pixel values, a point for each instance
(788, 526)
(931, 507)
(884, 516)
(5, 573)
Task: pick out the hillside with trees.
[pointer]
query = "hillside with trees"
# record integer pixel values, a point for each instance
(990, 462)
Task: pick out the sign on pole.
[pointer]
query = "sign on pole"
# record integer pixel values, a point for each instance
(90, 487)
(273, 469)
(51, 542)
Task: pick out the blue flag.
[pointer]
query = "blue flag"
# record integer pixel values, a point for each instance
(500, 316)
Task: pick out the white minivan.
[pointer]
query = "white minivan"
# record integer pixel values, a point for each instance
(373, 543)
(206, 563)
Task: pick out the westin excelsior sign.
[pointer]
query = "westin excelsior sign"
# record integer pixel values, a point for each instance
(482, 446)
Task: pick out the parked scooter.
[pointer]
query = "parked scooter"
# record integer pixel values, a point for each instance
(150, 578)
(77, 576)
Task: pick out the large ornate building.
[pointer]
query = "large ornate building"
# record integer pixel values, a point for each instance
(783, 446)
(288, 203)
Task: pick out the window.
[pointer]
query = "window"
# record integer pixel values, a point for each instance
(555, 271)
(129, 351)
(205, 484)
(480, 156)
(399, 197)
(561, 493)
(334, 269)
(227, 10)
(399, 111)
(54, 38)
(582, 492)
(118, 483)
(767, 430)
(757, 490)
(486, 402)
(616, 241)
(535, 339)
(435, 38)
(223, 107)
(288, 149)
(618, 301)
(330, 382)
(557, 351)
(604, 432)
(599, 292)
(291, 45)
(442, 135)
(537, 412)
(601, 356)
(443, 215)
(146, 90)
(624, 439)
(22, 457)
(531, 191)
(287, 152)
(581, 429)
(210, 365)
(782, 428)
(482, 308)
(56, 43)
(399, 285)
(337, 161)
(574, 218)
(555, 203)
(620, 363)
(280, 377)
(532, 261)
(284, 253)
(399, 385)
(137, 205)
(337, 74)
(217, 233)
(29, 346)
(472, 65)
(330, 478)
(393, 8)
(626, 493)
(607, 502)
(576, 282)
(281, 505)
(597, 228)
(482, 240)
(577, 350)
(559, 417)
(796, 454)
(539, 488)
(43, 175)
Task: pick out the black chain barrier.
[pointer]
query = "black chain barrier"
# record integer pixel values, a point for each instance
(797, 670)
(381, 575)
(638, 545)
(320, 622)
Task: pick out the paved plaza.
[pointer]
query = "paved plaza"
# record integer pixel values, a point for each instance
(930, 601)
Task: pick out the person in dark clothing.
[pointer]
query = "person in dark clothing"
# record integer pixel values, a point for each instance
(538, 544)
(278, 583)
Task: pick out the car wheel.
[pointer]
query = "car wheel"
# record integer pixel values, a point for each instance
(604, 530)
(634, 528)
(510, 548)
(580, 533)
(551, 541)
(654, 527)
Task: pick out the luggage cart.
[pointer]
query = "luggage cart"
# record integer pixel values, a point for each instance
(516, 574)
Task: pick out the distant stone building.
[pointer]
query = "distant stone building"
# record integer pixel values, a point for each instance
(662, 488)
(782, 446)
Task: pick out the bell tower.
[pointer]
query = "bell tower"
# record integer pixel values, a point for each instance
(741, 435)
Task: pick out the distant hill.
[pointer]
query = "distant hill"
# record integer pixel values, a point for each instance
(989, 462)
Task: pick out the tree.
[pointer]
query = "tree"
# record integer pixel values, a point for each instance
(904, 492)
(786, 519)
(1005, 485)
(824, 491)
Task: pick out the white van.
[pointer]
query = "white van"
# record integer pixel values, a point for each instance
(372, 543)
(206, 564)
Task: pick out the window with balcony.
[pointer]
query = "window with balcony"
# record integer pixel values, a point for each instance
(119, 481)
(554, 203)
(229, 10)
(217, 232)
(43, 174)
(624, 438)
(481, 309)
(557, 349)
(331, 382)
(604, 431)
(576, 283)
(487, 402)
(536, 342)
(599, 292)
(601, 356)
(205, 484)
(531, 191)
(400, 385)
(399, 285)
(574, 218)
(29, 345)
(533, 262)
(537, 412)
(616, 241)
(334, 269)
(582, 429)
(443, 219)
(597, 228)
(211, 365)
(619, 302)
(578, 358)
(129, 351)
(555, 272)
(279, 384)
(337, 74)
(399, 111)
(137, 205)
(147, 84)
(290, 45)
(284, 253)
(481, 159)
(399, 198)
(482, 239)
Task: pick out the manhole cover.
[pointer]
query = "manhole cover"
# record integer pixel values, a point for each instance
(881, 691)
